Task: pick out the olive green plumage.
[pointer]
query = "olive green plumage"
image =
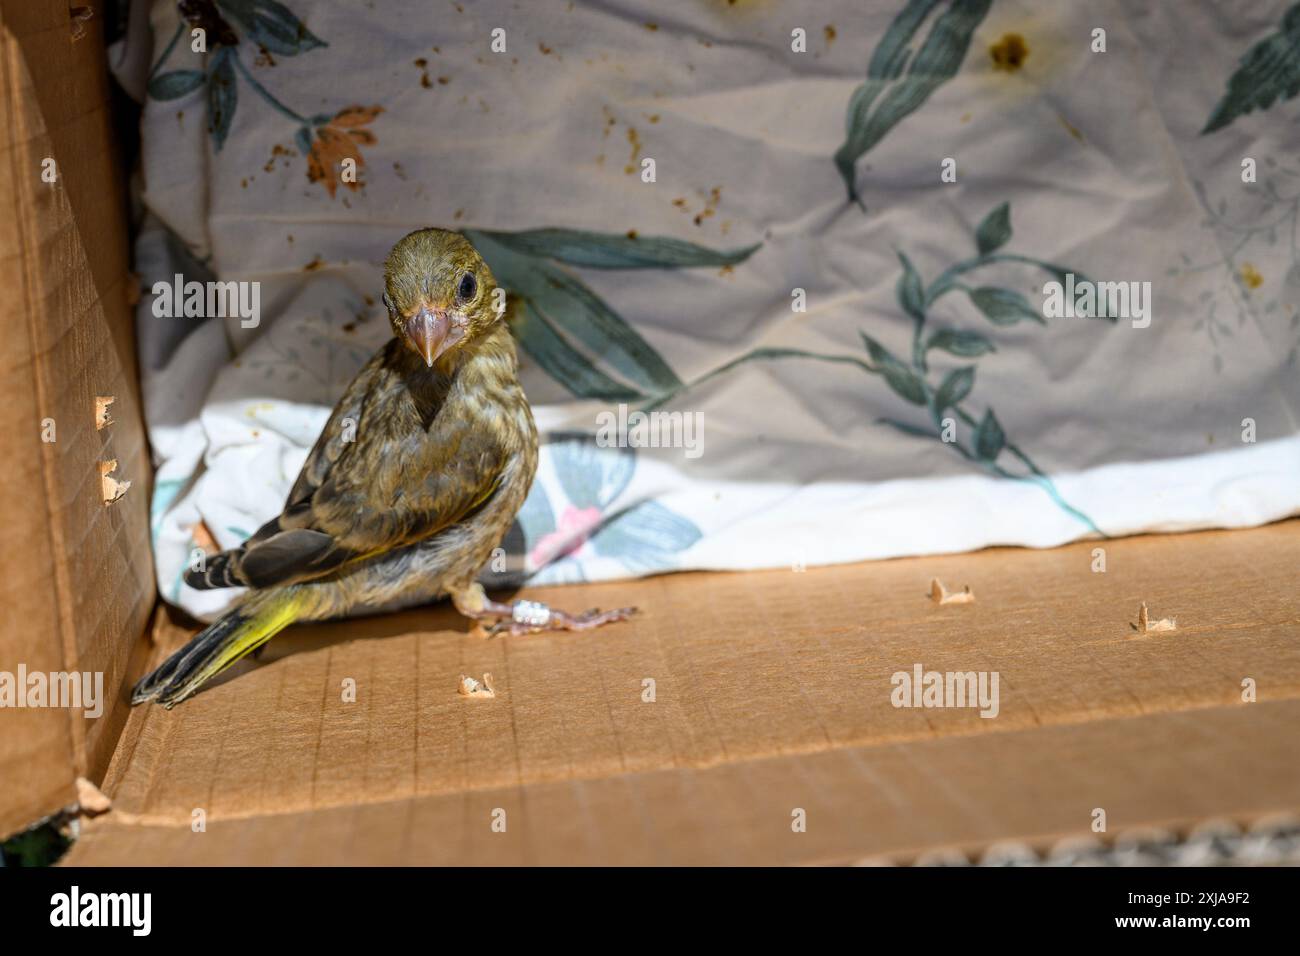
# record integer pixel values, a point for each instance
(414, 480)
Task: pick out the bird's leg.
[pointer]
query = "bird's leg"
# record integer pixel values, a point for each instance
(529, 617)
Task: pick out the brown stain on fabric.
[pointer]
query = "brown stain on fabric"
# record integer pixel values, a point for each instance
(1070, 127)
(711, 203)
(711, 200)
(634, 140)
(282, 153)
(1009, 53)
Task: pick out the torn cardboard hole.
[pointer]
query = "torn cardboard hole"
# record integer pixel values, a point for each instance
(91, 799)
(102, 419)
(110, 488)
(1145, 625)
(469, 687)
(78, 18)
(940, 594)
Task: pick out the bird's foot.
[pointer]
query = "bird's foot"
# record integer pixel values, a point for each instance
(532, 617)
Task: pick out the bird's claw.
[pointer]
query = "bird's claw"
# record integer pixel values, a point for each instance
(593, 617)
(531, 618)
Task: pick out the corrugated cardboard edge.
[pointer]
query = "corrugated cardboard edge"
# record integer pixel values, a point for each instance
(897, 801)
(78, 582)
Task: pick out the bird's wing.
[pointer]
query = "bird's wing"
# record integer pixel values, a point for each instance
(340, 431)
(392, 482)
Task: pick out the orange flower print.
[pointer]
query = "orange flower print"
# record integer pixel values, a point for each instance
(336, 142)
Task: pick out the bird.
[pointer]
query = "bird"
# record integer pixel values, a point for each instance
(414, 480)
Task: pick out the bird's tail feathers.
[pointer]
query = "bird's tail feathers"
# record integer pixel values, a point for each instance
(238, 633)
(219, 571)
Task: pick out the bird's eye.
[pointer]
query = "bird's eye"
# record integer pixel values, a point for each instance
(468, 286)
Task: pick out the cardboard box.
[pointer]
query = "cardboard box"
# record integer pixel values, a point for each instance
(77, 583)
(705, 731)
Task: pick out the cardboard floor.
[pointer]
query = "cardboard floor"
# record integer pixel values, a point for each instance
(771, 694)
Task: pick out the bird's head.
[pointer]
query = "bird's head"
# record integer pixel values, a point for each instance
(439, 292)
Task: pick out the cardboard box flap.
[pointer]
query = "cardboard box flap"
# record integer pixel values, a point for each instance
(77, 576)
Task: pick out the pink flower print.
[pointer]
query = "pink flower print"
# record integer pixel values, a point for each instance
(573, 529)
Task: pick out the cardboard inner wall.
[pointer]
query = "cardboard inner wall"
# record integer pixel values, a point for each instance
(77, 581)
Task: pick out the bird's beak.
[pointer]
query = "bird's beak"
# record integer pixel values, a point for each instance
(431, 333)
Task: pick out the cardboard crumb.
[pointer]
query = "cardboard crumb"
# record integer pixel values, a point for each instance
(110, 488)
(469, 687)
(101, 411)
(1145, 625)
(940, 595)
(91, 799)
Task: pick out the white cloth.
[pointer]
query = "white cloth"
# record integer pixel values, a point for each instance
(1099, 155)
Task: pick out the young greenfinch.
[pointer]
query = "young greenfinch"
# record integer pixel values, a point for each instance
(417, 476)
